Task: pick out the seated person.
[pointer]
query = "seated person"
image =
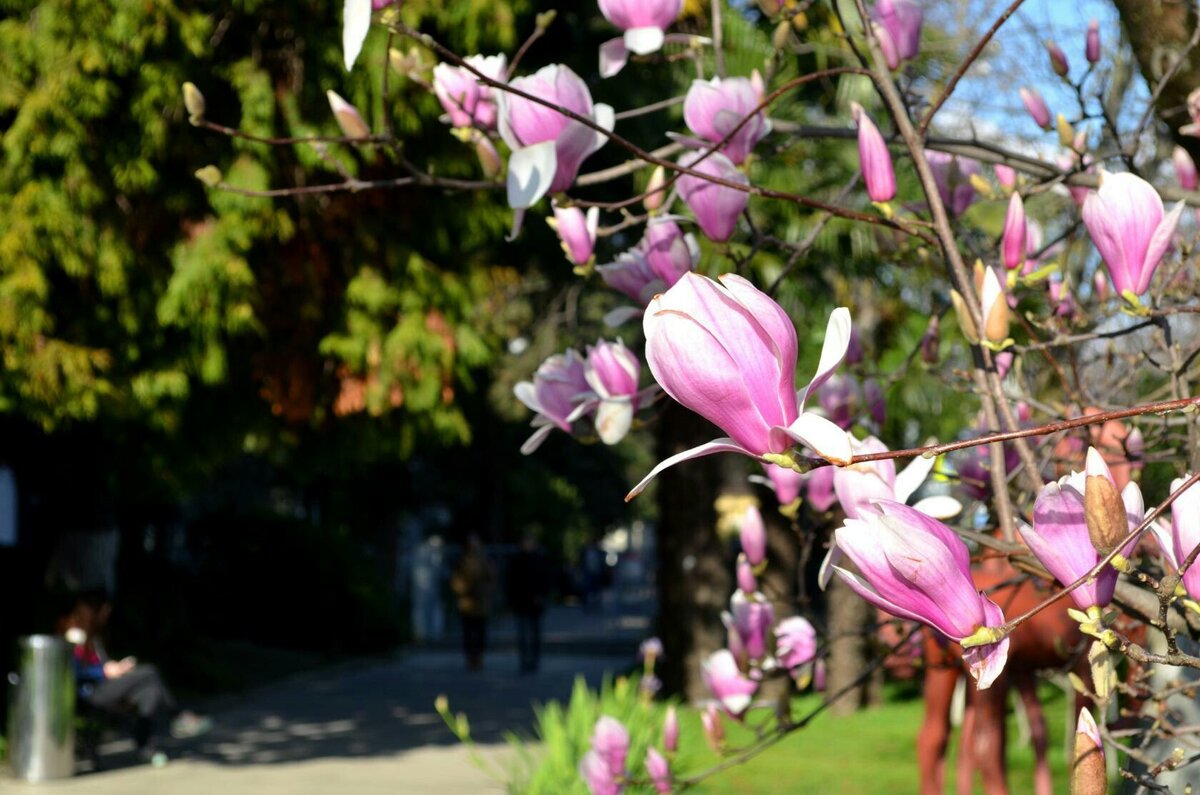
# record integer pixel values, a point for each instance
(116, 685)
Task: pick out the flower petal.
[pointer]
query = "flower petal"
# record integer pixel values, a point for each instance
(987, 662)
(613, 57)
(531, 171)
(824, 437)
(356, 21)
(833, 350)
(643, 41)
(723, 445)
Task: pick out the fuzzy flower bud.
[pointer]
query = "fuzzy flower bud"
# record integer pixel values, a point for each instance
(1013, 241)
(193, 102)
(874, 160)
(1089, 775)
(1058, 59)
(1036, 107)
(1092, 48)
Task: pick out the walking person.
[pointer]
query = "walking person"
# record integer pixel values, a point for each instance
(472, 584)
(528, 583)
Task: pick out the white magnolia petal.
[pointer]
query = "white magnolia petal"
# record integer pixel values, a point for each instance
(614, 417)
(622, 315)
(939, 507)
(613, 56)
(643, 41)
(722, 445)
(833, 350)
(356, 21)
(530, 172)
(909, 479)
(832, 561)
(825, 437)
(535, 441)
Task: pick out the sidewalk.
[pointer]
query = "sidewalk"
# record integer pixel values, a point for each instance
(365, 727)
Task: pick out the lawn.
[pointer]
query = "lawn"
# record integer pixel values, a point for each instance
(868, 753)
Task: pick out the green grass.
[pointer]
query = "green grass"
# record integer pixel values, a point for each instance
(870, 752)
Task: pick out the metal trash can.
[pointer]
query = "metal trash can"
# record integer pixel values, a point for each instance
(41, 724)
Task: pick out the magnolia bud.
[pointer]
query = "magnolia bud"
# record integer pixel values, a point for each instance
(753, 536)
(489, 158)
(545, 19)
(193, 101)
(1088, 773)
(347, 116)
(714, 729)
(965, 322)
(769, 7)
(1104, 511)
(1066, 133)
(746, 581)
(782, 35)
(655, 195)
(994, 304)
(671, 730)
(1058, 59)
(981, 186)
(1092, 48)
(1036, 107)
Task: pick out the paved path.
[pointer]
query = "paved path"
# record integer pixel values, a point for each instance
(365, 727)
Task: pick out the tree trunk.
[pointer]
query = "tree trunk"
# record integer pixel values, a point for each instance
(694, 581)
(1158, 31)
(851, 620)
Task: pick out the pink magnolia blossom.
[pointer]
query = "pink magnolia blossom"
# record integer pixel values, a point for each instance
(671, 730)
(610, 741)
(714, 728)
(558, 394)
(659, 771)
(669, 251)
(576, 231)
(1126, 221)
(786, 483)
(915, 567)
(716, 207)
(547, 147)
(467, 101)
(1013, 240)
(795, 642)
(898, 28)
(746, 581)
(1091, 49)
(728, 352)
(752, 534)
(597, 776)
(1006, 176)
(1184, 535)
(953, 177)
(1059, 537)
(732, 690)
(632, 275)
(643, 23)
(841, 400)
(714, 108)
(1185, 168)
(611, 372)
(1036, 107)
(348, 118)
(873, 158)
(751, 618)
(818, 486)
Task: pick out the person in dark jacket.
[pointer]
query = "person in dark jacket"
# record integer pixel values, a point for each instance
(528, 583)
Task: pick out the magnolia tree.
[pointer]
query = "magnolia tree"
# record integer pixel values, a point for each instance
(1028, 527)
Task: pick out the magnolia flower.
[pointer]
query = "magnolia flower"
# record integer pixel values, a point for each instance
(714, 729)
(1006, 176)
(725, 681)
(873, 158)
(611, 373)
(643, 21)
(1185, 168)
(1184, 536)
(610, 739)
(1060, 537)
(750, 618)
(597, 776)
(467, 101)
(559, 394)
(1058, 58)
(795, 642)
(356, 21)
(953, 177)
(713, 108)
(1089, 774)
(348, 118)
(1012, 245)
(576, 231)
(1036, 107)
(786, 482)
(669, 251)
(632, 275)
(728, 352)
(547, 147)
(671, 730)
(915, 567)
(898, 28)
(1091, 48)
(715, 206)
(753, 536)
(1126, 221)
(744, 575)
(650, 649)
(659, 771)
